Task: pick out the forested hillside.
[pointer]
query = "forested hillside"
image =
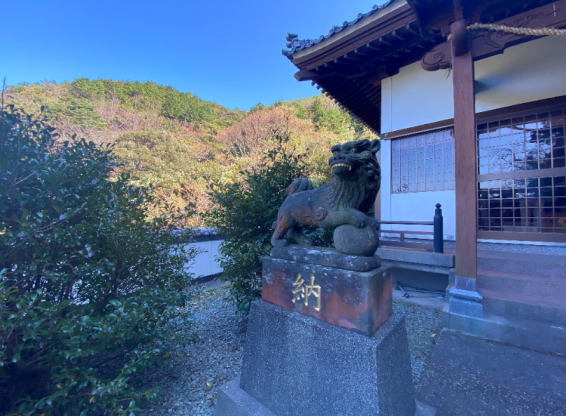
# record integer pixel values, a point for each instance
(177, 142)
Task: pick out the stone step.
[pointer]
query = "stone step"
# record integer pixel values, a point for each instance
(525, 333)
(536, 308)
(542, 265)
(537, 286)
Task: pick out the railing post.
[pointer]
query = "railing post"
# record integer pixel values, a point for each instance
(438, 230)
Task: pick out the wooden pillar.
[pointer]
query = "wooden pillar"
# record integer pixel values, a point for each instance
(465, 155)
(377, 206)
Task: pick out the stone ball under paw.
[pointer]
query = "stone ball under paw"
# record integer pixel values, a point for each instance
(356, 241)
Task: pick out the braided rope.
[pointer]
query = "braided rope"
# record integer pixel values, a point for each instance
(519, 30)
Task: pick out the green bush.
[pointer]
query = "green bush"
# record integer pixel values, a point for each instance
(88, 284)
(244, 212)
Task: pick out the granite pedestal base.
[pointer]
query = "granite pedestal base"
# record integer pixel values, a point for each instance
(295, 365)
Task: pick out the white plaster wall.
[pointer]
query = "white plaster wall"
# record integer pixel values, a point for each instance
(205, 263)
(528, 72)
(420, 206)
(415, 97)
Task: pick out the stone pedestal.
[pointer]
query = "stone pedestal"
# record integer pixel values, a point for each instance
(352, 292)
(320, 354)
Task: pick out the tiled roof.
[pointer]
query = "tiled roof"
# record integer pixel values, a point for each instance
(295, 44)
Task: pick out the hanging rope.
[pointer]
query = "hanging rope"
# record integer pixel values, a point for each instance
(518, 30)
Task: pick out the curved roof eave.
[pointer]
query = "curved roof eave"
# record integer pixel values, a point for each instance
(301, 47)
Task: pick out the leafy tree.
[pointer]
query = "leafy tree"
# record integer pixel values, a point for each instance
(178, 142)
(245, 211)
(88, 284)
(258, 107)
(332, 119)
(169, 164)
(301, 113)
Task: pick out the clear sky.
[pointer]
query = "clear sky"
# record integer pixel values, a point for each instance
(223, 51)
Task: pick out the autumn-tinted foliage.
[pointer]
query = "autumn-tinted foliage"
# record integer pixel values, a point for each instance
(179, 142)
(88, 284)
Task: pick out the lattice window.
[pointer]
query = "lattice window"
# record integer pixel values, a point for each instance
(516, 190)
(531, 142)
(423, 163)
(523, 205)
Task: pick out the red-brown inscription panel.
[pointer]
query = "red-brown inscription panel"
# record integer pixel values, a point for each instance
(359, 301)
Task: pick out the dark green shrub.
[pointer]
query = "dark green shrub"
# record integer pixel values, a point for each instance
(244, 212)
(88, 284)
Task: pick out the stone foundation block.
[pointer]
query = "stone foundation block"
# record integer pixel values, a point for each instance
(296, 365)
(466, 302)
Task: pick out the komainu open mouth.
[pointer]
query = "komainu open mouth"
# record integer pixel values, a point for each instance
(341, 165)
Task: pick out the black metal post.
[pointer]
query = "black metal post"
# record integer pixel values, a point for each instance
(438, 230)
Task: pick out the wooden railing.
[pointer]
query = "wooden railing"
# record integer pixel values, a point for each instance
(437, 233)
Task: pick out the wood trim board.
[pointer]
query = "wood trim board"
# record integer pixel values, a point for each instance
(520, 236)
(424, 128)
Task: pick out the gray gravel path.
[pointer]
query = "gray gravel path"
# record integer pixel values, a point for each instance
(190, 380)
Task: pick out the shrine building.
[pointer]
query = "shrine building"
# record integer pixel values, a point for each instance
(469, 100)
(469, 117)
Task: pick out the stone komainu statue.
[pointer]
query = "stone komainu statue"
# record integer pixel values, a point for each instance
(346, 199)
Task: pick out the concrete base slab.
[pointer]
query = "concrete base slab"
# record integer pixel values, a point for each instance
(432, 302)
(471, 376)
(234, 401)
(535, 335)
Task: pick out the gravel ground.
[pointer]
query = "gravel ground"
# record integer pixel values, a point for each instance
(190, 381)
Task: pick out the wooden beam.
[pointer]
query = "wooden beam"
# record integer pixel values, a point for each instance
(396, 34)
(409, 28)
(373, 48)
(336, 61)
(465, 156)
(487, 43)
(358, 52)
(348, 57)
(305, 75)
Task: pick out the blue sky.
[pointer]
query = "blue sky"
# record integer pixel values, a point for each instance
(223, 51)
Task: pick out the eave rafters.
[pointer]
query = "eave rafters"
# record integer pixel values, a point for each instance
(371, 55)
(342, 90)
(354, 78)
(350, 70)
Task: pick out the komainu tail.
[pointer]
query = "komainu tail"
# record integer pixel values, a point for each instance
(299, 185)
